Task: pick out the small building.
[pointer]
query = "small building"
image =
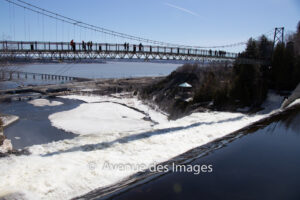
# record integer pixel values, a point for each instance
(185, 85)
(184, 91)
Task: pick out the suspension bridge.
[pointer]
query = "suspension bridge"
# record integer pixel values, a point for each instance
(138, 48)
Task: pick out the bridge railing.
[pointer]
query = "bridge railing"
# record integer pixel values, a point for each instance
(34, 46)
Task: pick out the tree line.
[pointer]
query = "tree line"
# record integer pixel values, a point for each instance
(252, 81)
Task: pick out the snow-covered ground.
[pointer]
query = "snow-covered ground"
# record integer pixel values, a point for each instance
(109, 133)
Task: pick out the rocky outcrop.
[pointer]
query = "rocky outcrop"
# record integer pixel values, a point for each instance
(12, 196)
(2, 138)
(6, 146)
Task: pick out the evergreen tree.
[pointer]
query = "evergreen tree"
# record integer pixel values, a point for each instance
(251, 50)
(264, 48)
(278, 70)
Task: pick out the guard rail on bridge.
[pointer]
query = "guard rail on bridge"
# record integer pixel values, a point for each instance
(64, 51)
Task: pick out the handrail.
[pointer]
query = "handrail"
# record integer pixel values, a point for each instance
(110, 47)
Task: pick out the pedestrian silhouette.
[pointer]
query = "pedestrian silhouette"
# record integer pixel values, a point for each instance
(83, 45)
(72, 45)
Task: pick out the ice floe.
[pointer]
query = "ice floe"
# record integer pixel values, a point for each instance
(44, 102)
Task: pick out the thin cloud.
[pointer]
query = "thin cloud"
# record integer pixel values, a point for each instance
(182, 9)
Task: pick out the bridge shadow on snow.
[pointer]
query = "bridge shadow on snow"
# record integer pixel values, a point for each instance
(138, 136)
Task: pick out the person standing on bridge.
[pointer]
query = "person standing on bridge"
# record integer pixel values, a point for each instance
(83, 45)
(125, 46)
(140, 47)
(89, 44)
(72, 45)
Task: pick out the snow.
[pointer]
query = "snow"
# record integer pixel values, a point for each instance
(44, 102)
(99, 118)
(295, 102)
(8, 119)
(109, 133)
(294, 96)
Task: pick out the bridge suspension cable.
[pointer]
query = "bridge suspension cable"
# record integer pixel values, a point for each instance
(105, 31)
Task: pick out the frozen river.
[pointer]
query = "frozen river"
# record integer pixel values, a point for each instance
(103, 70)
(88, 70)
(93, 133)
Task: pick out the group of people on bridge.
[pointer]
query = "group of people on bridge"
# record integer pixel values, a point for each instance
(217, 53)
(140, 48)
(89, 46)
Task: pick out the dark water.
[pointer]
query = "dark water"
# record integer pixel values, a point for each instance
(34, 127)
(262, 164)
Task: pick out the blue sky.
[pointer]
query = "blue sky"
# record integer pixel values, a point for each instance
(190, 22)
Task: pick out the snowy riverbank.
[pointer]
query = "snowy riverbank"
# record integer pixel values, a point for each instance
(111, 130)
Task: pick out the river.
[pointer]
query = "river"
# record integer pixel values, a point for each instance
(262, 163)
(108, 69)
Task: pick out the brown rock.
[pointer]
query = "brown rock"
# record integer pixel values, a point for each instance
(2, 138)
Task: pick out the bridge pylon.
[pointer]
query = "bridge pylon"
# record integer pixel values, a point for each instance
(278, 36)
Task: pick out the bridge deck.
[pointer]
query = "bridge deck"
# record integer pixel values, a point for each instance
(64, 50)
